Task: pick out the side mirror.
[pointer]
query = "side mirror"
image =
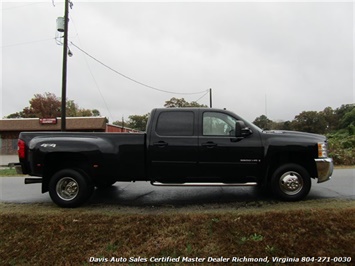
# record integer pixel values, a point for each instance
(238, 129)
(241, 130)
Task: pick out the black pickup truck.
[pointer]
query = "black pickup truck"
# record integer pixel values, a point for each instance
(181, 147)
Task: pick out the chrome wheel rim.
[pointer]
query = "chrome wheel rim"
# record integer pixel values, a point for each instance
(67, 188)
(291, 183)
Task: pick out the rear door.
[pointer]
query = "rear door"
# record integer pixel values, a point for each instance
(173, 146)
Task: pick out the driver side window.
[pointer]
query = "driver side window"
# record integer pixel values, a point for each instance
(218, 124)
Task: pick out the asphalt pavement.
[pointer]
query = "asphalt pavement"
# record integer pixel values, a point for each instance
(13, 190)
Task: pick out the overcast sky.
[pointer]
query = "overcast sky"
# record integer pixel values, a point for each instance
(275, 58)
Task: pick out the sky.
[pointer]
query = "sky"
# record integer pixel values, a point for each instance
(259, 58)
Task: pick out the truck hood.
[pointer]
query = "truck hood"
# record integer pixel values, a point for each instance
(296, 134)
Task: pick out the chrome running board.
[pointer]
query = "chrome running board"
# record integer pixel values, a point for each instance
(159, 184)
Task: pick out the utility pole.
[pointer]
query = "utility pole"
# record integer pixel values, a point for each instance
(266, 105)
(64, 71)
(210, 98)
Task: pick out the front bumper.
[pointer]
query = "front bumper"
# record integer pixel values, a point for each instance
(324, 169)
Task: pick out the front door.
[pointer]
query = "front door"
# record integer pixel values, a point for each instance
(224, 157)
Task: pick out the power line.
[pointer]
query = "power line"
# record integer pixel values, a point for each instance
(131, 79)
(207, 92)
(24, 43)
(92, 74)
(24, 5)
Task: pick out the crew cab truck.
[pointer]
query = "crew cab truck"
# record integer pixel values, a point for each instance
(181, 146)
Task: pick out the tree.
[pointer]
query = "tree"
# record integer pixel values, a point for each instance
(348, 118)
(263, 122)
(49, 105)
(16, 115)
(330, 118)
(286, 125)
(138, 122)
(41, 105)
(95, 112)
(46, 105)
(310, 121)
(176, 102)
(71, 108)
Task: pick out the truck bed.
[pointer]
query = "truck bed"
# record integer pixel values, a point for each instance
(110, 154)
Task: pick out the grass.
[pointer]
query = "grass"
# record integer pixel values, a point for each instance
(8, 172)
(41, 234)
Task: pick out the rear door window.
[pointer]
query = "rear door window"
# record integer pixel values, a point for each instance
(175, 123)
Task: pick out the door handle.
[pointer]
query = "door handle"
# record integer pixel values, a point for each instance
(209, 144)
(160, 144)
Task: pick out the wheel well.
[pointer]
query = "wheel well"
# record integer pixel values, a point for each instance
(57, 161)
(299, 158)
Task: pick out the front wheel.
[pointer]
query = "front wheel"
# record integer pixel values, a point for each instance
(291, 182)
(70, 188)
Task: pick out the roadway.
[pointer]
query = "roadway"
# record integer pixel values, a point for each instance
(13, 190)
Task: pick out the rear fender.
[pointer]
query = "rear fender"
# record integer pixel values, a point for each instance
(55, 162)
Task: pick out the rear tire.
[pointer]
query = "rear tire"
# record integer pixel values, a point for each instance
(70, 188)
(291, 182)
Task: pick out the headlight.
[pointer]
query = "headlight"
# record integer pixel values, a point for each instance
(322, 150)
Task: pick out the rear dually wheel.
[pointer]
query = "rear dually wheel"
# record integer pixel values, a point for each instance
(70, 188)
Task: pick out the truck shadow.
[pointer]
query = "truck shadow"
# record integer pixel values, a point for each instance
(142, 194)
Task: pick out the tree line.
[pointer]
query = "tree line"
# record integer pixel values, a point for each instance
(49, 105)
(323, 122)
(337, 124)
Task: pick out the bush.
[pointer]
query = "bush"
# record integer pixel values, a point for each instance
(341, 147)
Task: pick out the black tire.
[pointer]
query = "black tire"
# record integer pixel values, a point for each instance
(70, 188)
(290, 182)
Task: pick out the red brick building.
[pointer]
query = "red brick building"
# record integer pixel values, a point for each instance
(11, 128)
